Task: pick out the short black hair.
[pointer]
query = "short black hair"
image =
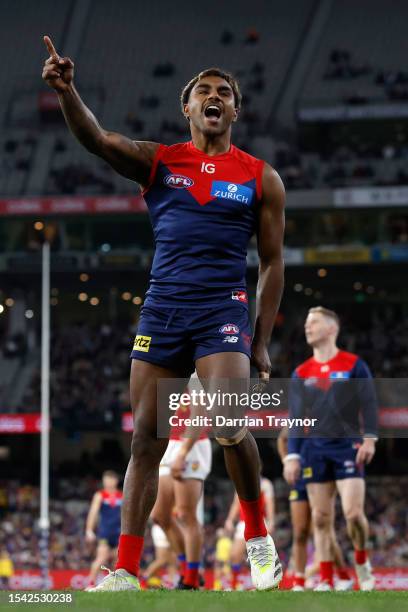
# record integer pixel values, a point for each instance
(231, 80)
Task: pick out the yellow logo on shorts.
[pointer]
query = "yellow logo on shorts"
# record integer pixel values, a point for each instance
(142, 343)
(195, 465)
(293, 495)
(307, 472)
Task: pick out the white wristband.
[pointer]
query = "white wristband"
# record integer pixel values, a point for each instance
(290, 457)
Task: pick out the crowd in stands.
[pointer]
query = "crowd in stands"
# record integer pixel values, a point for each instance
(352, 165)
(90, 364)
(89, 376)
(355, 164)
(19, 533)
(342, 65)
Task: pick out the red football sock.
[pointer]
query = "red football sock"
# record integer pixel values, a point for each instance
(182, 564)
(298, 580)
(360, 556)
(191, 577)
(253, 518)
(326, 572)
(343, 573)
(235, 570)
(129, 553)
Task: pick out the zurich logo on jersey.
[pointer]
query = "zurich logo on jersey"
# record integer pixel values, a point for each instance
(339, 375)
(178, 181)
(232, 191)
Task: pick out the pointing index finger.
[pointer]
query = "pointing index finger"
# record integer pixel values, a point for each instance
(50, 47)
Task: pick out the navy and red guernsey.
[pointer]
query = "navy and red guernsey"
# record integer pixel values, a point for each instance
(202, 210)
(340, 395)
(109, 515)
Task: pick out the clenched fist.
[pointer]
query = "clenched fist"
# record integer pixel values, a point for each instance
(58, 72)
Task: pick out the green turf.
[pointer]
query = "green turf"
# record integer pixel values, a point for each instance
(279, 601)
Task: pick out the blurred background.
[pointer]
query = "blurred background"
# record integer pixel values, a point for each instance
(325, 86)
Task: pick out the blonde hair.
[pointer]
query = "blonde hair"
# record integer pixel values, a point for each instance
(327, 313)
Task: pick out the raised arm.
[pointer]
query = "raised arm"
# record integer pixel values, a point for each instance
(271, 225)
(130, 158)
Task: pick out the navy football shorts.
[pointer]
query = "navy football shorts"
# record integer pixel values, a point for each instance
(176, 337)
(111, 538)
(328, 463)
(299, 491)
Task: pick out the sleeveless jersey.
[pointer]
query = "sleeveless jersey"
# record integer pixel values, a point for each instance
(203, 214)
(109, 516)
(338, 408)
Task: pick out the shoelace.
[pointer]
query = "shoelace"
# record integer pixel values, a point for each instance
(260, 554)
(110, 573)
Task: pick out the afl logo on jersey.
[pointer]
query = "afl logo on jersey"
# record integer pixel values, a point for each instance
(229, 328)
(178, 181)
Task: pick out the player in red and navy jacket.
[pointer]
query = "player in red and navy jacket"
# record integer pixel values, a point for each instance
(335, 388)
(206, 198)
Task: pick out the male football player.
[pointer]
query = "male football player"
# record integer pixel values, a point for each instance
(206, 198)
(335, 387)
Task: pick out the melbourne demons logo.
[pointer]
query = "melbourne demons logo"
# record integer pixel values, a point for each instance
(178, 181)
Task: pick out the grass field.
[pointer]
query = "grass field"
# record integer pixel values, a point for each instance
(176, 601)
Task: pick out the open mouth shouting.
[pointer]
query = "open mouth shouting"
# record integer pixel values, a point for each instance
(213, 112)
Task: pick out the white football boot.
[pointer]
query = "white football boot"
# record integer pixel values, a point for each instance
(366, 578)
(119, 580)
(266, 569)
(323, 587)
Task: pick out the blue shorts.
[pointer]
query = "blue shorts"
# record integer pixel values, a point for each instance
(111, 538)
(328, 463)
(176, 337)
(298, 492)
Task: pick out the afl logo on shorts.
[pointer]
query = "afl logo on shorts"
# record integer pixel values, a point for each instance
(178, 181)
(230, 329)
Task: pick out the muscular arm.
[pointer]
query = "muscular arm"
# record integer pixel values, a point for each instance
(271, 225)
(130, 158)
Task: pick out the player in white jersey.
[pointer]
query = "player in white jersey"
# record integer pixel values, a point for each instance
(183, 469)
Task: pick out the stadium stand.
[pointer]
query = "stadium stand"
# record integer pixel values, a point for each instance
(350, 54)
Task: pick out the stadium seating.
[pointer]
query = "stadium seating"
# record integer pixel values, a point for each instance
(373, 33)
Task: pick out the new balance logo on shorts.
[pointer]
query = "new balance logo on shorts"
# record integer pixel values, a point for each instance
(142, 343)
